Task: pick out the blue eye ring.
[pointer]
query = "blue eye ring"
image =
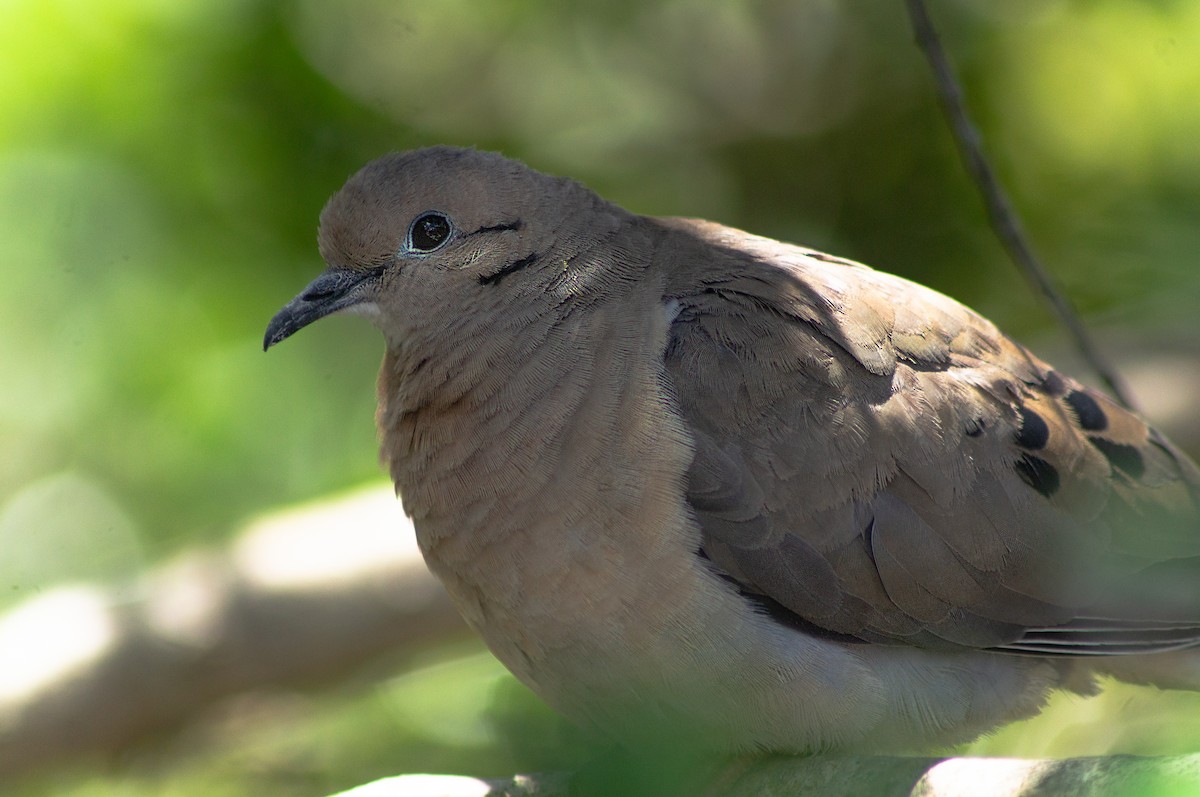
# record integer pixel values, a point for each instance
(429, 232)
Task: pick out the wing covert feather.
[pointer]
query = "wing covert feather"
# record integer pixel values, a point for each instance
(884, 463)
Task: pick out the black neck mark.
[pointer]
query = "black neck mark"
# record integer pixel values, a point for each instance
(495, 277)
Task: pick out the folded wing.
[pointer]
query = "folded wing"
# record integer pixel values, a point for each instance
(876, 461)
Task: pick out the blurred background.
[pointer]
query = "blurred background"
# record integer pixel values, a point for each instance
(162, 166)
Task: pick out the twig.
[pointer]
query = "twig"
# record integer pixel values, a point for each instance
(1000, 213)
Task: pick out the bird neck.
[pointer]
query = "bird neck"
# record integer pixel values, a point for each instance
(522, 443)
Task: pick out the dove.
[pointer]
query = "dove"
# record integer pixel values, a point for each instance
(690, 483)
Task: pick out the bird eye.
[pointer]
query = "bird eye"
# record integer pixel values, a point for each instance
(428, 232)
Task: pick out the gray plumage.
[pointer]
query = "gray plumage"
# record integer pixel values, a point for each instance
(684, 479)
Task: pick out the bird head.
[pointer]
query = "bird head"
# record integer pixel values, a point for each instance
(426, 234)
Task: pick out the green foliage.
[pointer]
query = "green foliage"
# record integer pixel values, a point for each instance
(162, 165)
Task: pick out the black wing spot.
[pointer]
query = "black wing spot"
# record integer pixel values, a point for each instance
(1034, 432)
(1038, 474)
(1121, 456)
(1053, 383)
(1091, 417)
(975, 427)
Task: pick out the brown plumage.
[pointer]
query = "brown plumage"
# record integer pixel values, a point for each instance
(686, 479)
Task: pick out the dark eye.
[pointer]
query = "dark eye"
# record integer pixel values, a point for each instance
(428, 232)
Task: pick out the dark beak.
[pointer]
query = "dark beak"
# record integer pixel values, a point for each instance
(336, 289)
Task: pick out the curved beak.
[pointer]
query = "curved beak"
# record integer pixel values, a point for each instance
(336, 289)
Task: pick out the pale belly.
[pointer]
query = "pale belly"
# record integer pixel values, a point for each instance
(662, 648)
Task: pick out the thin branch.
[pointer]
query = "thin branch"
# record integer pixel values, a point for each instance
(1000, 213)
